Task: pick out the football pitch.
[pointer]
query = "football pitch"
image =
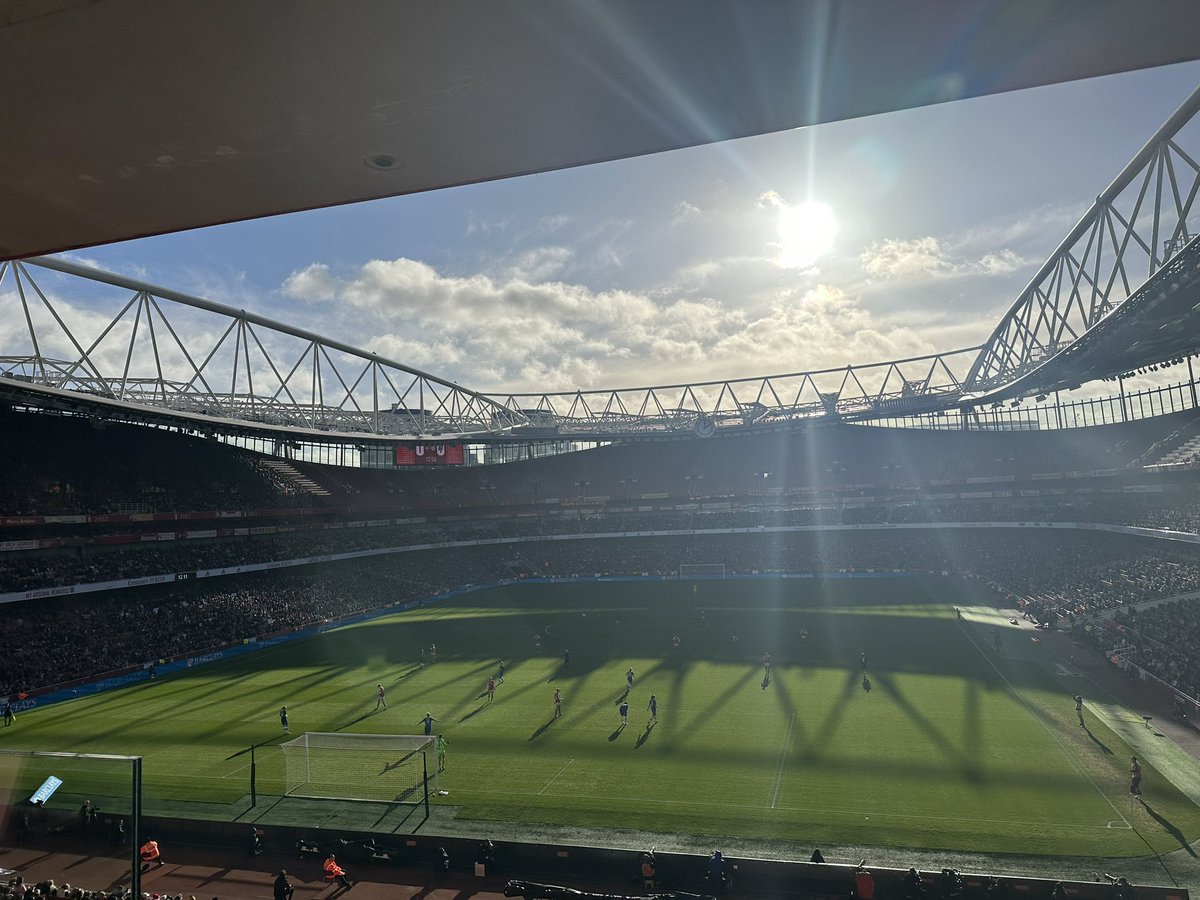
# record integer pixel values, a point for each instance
(954, 746)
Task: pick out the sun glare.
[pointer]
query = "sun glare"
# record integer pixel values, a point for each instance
(806, 233)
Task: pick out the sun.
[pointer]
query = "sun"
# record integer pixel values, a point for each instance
(806, 233)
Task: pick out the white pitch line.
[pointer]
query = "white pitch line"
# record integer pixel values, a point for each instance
(1074, 762)
(245, 766)
(782, 760)
(804, 809)
(554, 778)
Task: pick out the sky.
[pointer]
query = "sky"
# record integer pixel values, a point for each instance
(851, 242)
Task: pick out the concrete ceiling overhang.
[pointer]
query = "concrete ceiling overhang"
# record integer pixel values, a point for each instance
(127, 118)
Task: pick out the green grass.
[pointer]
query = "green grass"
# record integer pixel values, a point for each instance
(954, 747)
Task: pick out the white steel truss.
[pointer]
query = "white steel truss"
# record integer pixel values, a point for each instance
(1145, 217)
(174, 352)
(896, 388)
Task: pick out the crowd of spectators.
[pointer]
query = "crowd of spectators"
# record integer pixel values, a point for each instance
(1069, 573)
(18, 889)
(1078, 586)
(1161, 638)
(1171, 517)
(62, 465)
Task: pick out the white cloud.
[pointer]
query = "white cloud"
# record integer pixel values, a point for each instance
(514, 333)
(926, 259)
(540, 263)
(1000, 263)
(684, 212)
(912, 259)
(313, 282)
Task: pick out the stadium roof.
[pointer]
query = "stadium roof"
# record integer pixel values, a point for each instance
(135, 117)
(1159, 325)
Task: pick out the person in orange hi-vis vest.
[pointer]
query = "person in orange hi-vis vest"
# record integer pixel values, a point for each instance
(151, 854)
(334, 872)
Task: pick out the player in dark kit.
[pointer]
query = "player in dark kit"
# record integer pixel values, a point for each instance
(624, 711)
(1079, 708)
(653, 707)
(1135, 777)
(500, 674)
(491, 688)
(283, 718)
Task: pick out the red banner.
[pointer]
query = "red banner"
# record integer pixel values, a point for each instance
(429, 455)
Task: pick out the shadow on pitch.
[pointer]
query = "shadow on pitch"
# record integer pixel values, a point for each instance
(476, 711)
(1099, 743)
(967, 767)
(363, 717)
(616, 734)
(645, 735)
(713, 707)
(1170, 828)
(543, 728)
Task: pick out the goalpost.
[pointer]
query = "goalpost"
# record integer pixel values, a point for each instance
(388, 768)
(698, 571)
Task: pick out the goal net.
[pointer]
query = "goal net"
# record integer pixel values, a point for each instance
(382, 767)
(697, 571)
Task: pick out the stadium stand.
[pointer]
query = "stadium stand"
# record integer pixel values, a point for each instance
(106, 629)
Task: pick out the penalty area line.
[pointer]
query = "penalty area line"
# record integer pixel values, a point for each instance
(554, 777)
(782, 760)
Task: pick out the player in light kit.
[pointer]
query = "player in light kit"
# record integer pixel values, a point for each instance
(1079, 709)
(557, 703)
(380, 699)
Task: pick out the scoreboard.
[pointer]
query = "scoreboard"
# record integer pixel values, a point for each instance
(429, 454)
